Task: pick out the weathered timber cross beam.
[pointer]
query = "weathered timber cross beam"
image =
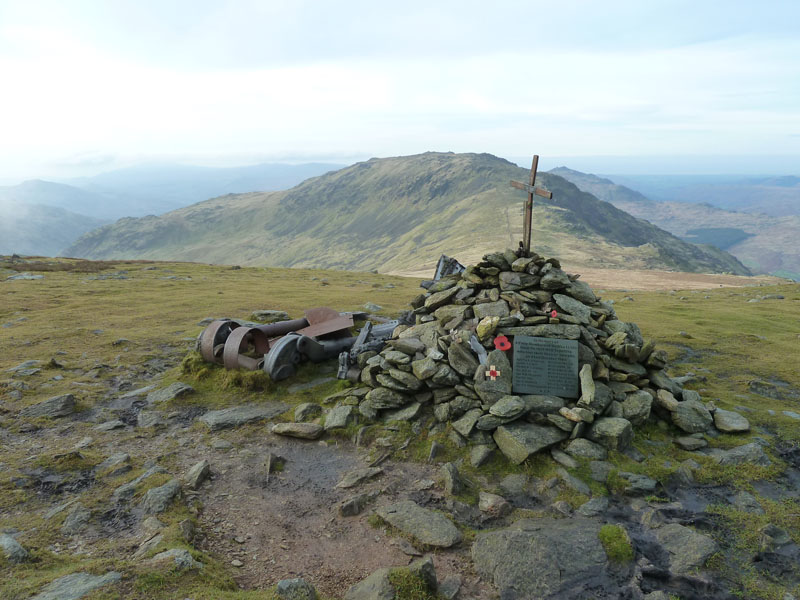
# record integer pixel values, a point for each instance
(531, 189)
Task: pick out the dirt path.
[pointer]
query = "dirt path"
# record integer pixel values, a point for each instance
(289, 526)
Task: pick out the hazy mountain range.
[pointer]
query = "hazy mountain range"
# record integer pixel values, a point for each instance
(44, 217)
(400, 213)
(764, 243)
(774, 196)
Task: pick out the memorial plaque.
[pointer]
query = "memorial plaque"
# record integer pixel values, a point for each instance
(545, 366)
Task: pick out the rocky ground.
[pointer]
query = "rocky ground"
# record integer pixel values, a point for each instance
(123, 474)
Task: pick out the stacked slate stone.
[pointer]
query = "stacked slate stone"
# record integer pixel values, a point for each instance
(622, 378)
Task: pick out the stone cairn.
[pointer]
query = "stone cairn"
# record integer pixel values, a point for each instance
(622, 378)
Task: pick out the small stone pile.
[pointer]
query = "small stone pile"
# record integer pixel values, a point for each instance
(622, 378)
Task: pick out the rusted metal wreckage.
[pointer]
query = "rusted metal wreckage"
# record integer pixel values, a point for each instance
(278, 348)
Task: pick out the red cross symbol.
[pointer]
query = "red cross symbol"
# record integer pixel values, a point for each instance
(493, 373)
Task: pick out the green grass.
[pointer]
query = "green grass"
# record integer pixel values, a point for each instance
(160, 320)
(616, 543)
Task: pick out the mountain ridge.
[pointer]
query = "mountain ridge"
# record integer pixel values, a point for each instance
(392, 213)
(764, 243)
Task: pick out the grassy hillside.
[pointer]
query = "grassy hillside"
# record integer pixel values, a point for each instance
(100, 352)
(397, 213)
(766, 244)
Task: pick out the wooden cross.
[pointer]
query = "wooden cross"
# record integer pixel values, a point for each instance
(526, 224)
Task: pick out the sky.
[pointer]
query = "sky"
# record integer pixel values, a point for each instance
(636, 86)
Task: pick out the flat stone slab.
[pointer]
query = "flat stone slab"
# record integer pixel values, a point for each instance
(12, 549)
(519, 440)
(545, 558)
(730, 421)
(240, 415)
(175, 390)
(426, 526)
(687, 549)
(306, 431)
(353, 478)
(57, 406)
(75, 585)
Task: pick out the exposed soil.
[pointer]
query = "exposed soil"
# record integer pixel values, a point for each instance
(289, 526)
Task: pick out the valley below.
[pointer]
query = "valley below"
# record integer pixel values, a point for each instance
(87, 492)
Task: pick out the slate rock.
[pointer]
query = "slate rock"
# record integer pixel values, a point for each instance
(746, 502)
(462, 359)
(479, 455)
(406, 413)
(114, 465)
(593, 507)
(12, 549)
(295, 589)
(127, 490)
(356, 476)
(687, 549)
(76, 520)
(637, 483)
(491, 309)
(690, 443)
(149, 418)
(574, 307)
(612, 433)
(178, 558)
(109, 425)
(554, 279)
(57, 406)
(307, 411)
(375, 587)
(453, 483)
(493, 505)
(583, 448)
(730, 421)
(751, 453)
(438, 299)
(175, 390)
(424, 368)
(158, 499)
(692, 417)
(339, 417)
(240, 415)
(305, 431)
(426, 526)
(580, 290)
(355, 505)
(515, 280)
(551, 330)
(466, 423)
(519, 440)
(491, 391)
(636, 407)
(508, 407)
(543, 404)
(197, 475)
(599, 470)
(573, 482)
(75, 586)
(544, 558)
(382, 397)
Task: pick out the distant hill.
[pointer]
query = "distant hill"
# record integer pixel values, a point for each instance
(773, 196)
(766, 244)
(59, 195)
(35, 229)
(33, 206)
(156, 189)
(399, 213)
